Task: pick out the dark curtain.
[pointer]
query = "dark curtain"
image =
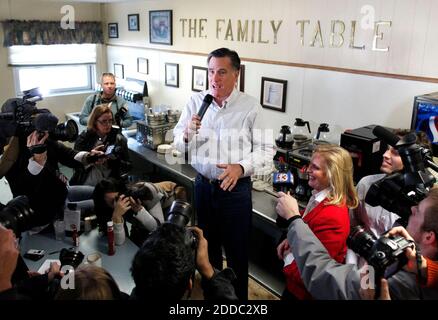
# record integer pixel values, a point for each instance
(17, 32)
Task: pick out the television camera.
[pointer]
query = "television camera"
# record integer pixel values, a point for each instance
(400, 191)
(20, 116)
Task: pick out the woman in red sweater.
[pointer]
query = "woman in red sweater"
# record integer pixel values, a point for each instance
(331, 177)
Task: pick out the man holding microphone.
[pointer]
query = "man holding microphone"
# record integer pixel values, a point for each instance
(226, 144)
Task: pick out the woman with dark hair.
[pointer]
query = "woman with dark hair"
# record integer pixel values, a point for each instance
(141, 204)
(101, 133)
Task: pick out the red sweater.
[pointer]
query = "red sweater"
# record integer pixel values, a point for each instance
(331, 225)
(432, 273)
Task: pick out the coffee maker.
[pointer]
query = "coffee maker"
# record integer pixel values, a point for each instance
(300, 134)
(284, 144)
(365, 149)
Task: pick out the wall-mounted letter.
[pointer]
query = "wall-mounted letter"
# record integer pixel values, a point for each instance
(340, 34)
(317, 34)
(379, 36)
(302, 23)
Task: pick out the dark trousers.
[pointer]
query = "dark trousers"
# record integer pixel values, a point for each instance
(225, 218)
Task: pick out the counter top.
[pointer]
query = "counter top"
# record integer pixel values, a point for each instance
(179, 168)
(263, 203)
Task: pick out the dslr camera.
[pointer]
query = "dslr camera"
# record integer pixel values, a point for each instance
(119, 116)
(17, 215)
(386, 254)
(139, 191)
(71, 257)
(179, 214)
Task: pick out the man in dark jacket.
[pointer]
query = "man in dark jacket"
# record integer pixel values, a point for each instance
(163, 267)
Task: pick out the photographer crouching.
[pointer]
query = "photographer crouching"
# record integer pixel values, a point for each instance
(142, 204)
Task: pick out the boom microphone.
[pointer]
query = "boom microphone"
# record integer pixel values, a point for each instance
(385, 135)
(205, 104)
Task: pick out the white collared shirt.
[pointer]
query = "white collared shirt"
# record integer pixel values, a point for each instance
(228, 135)
(316, 199)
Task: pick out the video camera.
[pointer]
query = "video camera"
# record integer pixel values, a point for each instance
(17, 215)
(400, 191)
(386, 254)
(21, 116)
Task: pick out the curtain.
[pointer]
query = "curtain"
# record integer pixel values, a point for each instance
(17, 32)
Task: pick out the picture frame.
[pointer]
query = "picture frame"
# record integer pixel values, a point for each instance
(119, 71)
(171, 74)
(134, 22)
(113, 30)
(273, 94)
(199, 78)
(240, 84)
(143, 65)
(160, 27)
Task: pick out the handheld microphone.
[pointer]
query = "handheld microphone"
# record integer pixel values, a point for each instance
(283, 181)
(386, 136)
(208, 99)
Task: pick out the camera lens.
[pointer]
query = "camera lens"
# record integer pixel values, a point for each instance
(17, 215)
(179, 213)
(360, 241)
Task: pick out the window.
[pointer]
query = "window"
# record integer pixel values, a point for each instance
(54, 79)
(54, 69)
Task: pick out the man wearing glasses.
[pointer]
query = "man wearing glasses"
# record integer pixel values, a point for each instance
(119, 106)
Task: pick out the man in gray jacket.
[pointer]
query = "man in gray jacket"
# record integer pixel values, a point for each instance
(325, 278)
(118, 105)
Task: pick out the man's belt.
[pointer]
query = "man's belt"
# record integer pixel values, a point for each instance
(217, 182)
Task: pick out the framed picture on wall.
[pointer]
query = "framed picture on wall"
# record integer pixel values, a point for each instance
(160, 27)
(273, 95)
(133, 22)
(118, 71)
(199, 78)
(143, 65)
(113, 30)
(172, 74)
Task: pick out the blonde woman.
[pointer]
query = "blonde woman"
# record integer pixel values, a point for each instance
(331, 177)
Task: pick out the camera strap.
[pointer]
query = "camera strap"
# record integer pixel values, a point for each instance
(418, 259)
(37, 149)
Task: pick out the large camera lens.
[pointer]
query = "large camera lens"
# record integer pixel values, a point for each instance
(361, 242)
(67, 131)
(179, 213)
(17, 215)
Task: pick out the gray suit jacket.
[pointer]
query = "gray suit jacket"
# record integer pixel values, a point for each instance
(327, 279)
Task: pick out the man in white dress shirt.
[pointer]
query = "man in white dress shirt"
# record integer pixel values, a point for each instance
(226, 147)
